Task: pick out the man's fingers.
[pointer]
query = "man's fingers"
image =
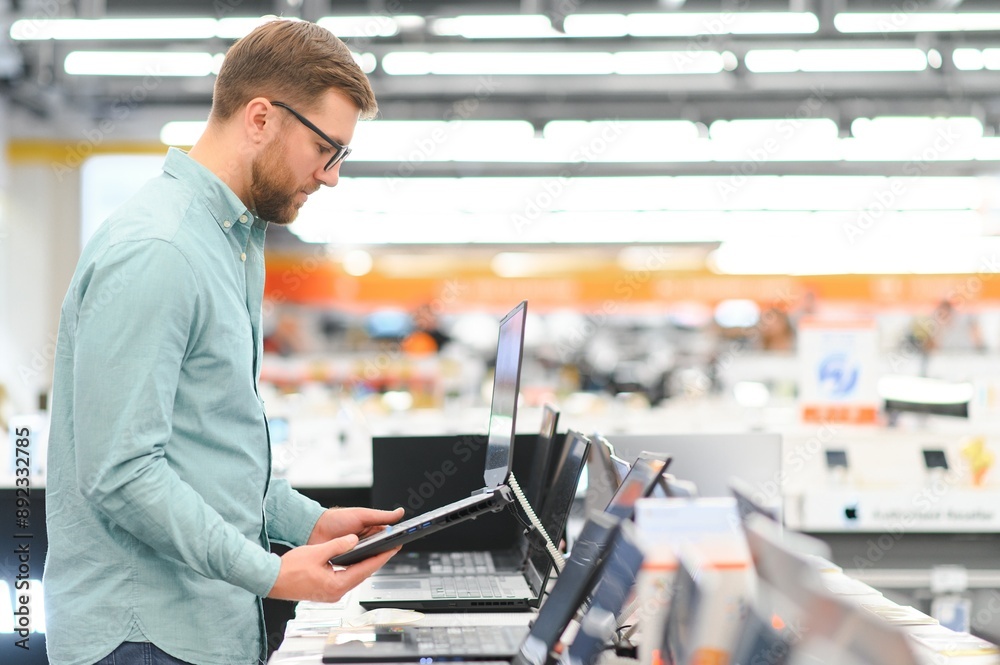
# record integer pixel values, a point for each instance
(372, 517)
(332, 548)
(358, 572)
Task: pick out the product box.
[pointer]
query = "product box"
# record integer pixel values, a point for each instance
(707, 535)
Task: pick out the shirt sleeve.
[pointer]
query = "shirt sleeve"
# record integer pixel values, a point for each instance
(290, 515)
(137, 315)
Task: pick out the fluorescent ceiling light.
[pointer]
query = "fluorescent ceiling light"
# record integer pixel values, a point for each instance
(596, 25)
(972, 59)
(140, 63)
(836, 60)
(366, 61)
(509, 26)
(507, 63)
(552, 63)
(113, 28)
(684, 24)
(820, 251)
(668, 62)
(360, 26)
(910, 21)
(915, 127)
(847, 196)
(195, 28)
(915, 140)
(528, 196)
(236, 27)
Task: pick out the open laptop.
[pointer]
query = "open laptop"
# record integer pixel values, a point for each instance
(531, 465)
(598, 624)
(545, 458)
(517, 589)
(495, 495)
(479, 643)
(605, 471)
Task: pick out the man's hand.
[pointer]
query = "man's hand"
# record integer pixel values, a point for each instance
(306, 573)
(361, 522)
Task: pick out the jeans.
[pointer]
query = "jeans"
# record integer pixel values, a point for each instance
(139, 653)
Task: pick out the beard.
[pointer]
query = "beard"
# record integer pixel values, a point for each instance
(272, 192)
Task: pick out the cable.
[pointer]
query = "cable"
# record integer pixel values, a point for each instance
(553, 551)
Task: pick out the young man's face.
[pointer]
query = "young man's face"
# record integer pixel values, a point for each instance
(292, 165)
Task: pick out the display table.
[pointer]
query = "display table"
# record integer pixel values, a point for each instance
(933, 644)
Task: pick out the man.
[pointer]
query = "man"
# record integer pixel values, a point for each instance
(160, 500)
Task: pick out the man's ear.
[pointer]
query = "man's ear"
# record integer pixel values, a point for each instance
(258, 120)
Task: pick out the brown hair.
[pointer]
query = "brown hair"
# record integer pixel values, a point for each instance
(289, 61)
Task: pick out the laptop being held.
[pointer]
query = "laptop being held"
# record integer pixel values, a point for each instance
(495, 495)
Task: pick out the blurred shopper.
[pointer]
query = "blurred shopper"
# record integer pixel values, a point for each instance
(160, 498)
(776, 330)
(426, 337)
(946, 330)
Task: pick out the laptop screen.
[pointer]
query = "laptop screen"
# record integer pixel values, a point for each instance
(638, 484)
(618, 574)
(538, 478)
(503, 409)
(555, 513)
(570, 590)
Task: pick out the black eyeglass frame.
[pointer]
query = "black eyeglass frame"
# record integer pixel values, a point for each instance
(340, 151)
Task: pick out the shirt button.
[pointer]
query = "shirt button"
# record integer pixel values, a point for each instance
(227, 223)
(243, 257)
(243, 219)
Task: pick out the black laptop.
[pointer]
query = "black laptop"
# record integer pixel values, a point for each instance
(495, 495)
(478, 643)
(598, 625)
(459, 551)
(488, 591)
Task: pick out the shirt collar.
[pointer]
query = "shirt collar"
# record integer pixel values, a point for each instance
(227, 208)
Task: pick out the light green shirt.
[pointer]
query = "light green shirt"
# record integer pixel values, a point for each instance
(160, 500)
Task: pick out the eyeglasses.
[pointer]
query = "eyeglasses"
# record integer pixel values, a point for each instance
(340, 152)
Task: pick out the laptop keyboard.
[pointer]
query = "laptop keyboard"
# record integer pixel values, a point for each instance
(469, 587)
(461, 563)
(468, 640)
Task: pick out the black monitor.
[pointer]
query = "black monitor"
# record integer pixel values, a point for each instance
(935, 458)
(836, 459)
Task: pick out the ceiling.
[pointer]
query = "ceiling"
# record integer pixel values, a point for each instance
(35, 80)
(48, 102)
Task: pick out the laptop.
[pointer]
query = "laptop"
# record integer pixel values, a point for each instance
(495, 494)
(598, 624)
(640, 482)
(747, 504)
(605, 472)
(462, 554)
(546, 455)
(517, 589)
(480, 643)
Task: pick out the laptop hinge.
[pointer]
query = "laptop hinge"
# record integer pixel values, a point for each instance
(502, 490)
